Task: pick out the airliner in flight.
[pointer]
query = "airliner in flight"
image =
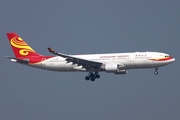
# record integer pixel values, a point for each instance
(117, 63)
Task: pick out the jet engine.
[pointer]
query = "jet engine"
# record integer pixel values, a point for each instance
(121, 72)
(115, 68)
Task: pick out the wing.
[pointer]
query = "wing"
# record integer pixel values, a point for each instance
(75, 60)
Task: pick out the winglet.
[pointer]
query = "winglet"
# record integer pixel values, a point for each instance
(51, 50)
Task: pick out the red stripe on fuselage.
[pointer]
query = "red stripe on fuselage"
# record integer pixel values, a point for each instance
(162, 59)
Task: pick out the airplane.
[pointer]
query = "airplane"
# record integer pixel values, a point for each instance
(117, 63)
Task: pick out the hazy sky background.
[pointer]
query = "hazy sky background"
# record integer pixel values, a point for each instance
(96, 26)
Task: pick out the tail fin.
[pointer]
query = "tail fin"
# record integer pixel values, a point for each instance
(20, 47)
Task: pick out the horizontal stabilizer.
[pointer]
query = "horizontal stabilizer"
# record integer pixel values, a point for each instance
(16, 60)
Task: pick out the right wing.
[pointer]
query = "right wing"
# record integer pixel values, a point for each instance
(75, 60)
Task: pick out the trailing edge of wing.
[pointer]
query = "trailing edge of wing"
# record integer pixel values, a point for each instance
(85, 63)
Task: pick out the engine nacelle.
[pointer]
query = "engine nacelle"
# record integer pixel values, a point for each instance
(114, 68)
(121, 72)
(111, 68)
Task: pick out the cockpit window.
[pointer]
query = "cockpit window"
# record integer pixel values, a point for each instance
(166, 55)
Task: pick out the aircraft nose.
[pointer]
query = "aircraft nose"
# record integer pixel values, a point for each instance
(172, 59)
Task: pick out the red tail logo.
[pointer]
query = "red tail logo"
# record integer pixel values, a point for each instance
(20, 47)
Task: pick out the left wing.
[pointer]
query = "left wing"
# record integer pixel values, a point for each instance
(75, 60)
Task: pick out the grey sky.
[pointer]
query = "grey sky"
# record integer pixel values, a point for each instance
(96, 26)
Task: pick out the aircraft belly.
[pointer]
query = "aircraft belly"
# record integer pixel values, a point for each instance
(58, 66)
(160, 63)
(143, 63)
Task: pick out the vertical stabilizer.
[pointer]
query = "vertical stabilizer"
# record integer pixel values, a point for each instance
(20, 47)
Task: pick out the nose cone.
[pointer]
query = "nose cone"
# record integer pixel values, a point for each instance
(171, 59)
(164, 61)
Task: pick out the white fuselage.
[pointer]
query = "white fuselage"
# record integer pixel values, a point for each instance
(117, 63)
(134, 60)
